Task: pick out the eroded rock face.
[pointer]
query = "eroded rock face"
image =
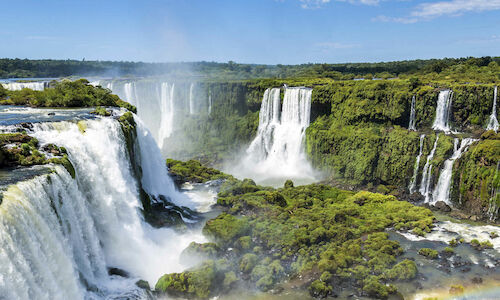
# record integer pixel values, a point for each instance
(440, 205)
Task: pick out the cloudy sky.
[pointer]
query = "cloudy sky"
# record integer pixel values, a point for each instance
(249, 31)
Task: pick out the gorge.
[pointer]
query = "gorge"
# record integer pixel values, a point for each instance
(116, 223)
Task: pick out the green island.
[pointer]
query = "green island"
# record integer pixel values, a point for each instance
(314, 236)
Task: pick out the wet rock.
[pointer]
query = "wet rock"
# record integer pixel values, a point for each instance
(477, 280)
(51, 114)
(118, 272)
(440, 205)
(143, 284)
(459, 215)
(26, 125)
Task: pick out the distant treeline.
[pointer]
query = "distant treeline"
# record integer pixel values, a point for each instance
(25, 68)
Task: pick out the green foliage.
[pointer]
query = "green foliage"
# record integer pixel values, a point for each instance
(319, 289)
(225, 228)
(248, 262)
(101, 111)
(205, 250)
(288, 184)
(462, 69)
(405, 270)
(476, 176)
(66, 93)
(193, 171)
(196, 283)
(316, 227)
(429, 253)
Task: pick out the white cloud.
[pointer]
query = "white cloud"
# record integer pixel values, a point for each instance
(454, 8)
(404, 20)
(319, 3)
(313, 3)
(366, 2)
(431, 10)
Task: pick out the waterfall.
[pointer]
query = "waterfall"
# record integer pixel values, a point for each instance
(166, 112)
(59, 235)
(442, 189)
(277, 151)
(493, 123)
(411, 125)
(191, 99)
(210, 102)
(413, 182)
(17, 86)
(443, 111)
(162, 105)
(427, 173)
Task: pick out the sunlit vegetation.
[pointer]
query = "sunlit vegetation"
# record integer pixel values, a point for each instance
(477, 69)
(78, 93)
(319, 236)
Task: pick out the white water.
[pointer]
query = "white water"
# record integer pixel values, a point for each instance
(493, 123)
(442, 189)
(413, 182)
(443, 111)
(427, 173)
(277, 153)
(411, 125)
(17, 86)
(95, 222)
(161, 104)
(191, 99)
(447, 230)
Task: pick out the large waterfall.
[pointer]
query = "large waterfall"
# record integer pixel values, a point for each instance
(493, 122)
(413, 182)
(277, 152)
(162, 105)
(443, 111)
(425, 187)
(58, 235)
(411, 125)
(17, 86)
(442, 189)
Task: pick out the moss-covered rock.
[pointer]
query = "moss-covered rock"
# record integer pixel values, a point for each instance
(429, 253)
(192, 171)
(226, 228)
(197, 283)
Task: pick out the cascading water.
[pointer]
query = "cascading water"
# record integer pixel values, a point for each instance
(493, 123)
(427, 173)
(277, 153)
(442, 189)
(58, 235)
(191, 99)
(167, 112)
(411, 125)
(443, 111)
(413, 182)
(161, 104)
(17, 86)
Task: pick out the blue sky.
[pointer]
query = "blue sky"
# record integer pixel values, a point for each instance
(250, 31)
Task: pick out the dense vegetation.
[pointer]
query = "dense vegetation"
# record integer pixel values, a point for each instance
(192, 171)
(78, 93)
(477, 180)
(317, 237)
(24, 68)
(21, 149)
(359, 131)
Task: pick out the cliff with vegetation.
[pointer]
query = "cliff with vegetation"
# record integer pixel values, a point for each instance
(359, 129)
